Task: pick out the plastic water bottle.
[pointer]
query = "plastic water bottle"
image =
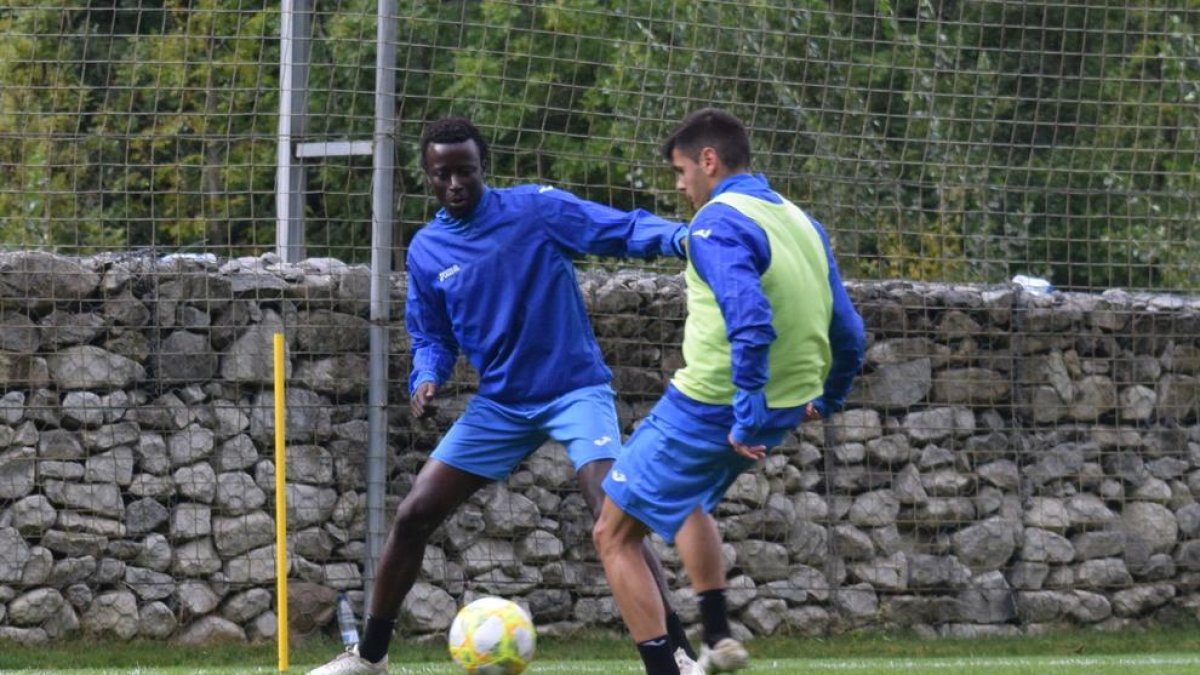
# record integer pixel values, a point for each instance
(1033, 284)
(346, 621)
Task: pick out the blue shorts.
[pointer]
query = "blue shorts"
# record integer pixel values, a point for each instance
(664, 473)
(491, 439)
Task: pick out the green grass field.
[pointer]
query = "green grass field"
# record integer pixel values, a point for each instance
(1164, 664)
(1167, 651)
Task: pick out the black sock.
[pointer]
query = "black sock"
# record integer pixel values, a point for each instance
(376, 636)
(715, 616)
(657, 656)
(679, 638)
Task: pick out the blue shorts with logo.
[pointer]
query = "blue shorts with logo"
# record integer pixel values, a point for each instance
(490, 439)
(674, 464)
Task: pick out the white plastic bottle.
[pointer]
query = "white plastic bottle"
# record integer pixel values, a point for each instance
(1035, 285)
(346, 621)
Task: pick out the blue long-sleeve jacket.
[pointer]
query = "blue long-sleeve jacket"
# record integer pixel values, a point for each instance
(500, 286)
(731, 257)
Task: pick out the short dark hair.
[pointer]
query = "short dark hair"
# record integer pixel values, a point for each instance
(711, 128)
(453, 130)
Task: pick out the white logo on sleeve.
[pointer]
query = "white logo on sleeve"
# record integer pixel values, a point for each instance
(603, 440)
(544, 189)
(449, 272)
(703, 234)
(617, 476)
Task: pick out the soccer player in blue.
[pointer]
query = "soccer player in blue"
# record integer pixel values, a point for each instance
(771, 340)
(492, 276)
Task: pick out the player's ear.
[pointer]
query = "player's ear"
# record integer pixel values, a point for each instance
(710, 162)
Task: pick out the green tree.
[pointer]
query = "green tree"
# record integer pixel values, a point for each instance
(940, 139)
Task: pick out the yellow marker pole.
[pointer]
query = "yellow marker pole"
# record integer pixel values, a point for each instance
(281, 565)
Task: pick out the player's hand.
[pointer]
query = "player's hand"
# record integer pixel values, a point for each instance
(754, 452)
(420, 401)
(811, 413)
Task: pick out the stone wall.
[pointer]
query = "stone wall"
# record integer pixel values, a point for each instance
(1010, 463)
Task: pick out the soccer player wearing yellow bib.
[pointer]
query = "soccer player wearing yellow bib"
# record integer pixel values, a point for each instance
(771, 340)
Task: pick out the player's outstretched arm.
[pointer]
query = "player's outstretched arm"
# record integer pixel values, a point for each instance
(586, 227)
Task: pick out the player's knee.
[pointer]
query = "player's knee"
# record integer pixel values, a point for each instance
(608, 536)
(414, 522)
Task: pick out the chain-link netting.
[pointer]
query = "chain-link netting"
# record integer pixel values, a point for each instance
(1012, 460)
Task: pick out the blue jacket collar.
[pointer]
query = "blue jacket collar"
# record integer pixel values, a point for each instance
(741, 182)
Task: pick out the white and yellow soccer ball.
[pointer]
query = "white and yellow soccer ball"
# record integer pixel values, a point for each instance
(492, 636)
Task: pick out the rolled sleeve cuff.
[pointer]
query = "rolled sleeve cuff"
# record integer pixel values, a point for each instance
(419, 378)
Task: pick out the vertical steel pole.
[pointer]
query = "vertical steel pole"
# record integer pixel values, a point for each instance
(295, 36)
(381, 266)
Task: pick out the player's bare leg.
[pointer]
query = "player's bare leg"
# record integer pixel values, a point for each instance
(438, 491)
(699, 544)
(619, 538)
(591, 476)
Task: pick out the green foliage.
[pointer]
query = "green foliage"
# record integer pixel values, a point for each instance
(936, 140)
(133, 125)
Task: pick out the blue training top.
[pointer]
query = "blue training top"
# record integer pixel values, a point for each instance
(731, 258)
(500, 285)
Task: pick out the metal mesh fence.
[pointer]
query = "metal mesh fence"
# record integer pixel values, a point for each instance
(965, 141)
(1011, 461)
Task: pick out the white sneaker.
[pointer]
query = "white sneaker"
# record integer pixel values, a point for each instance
(686, 665)
(350, 663)
(727, 656)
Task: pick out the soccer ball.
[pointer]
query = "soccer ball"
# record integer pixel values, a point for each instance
(492, 636)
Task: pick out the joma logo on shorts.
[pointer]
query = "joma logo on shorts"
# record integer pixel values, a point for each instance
(703, 234)
(603, 440)
(449, 272)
